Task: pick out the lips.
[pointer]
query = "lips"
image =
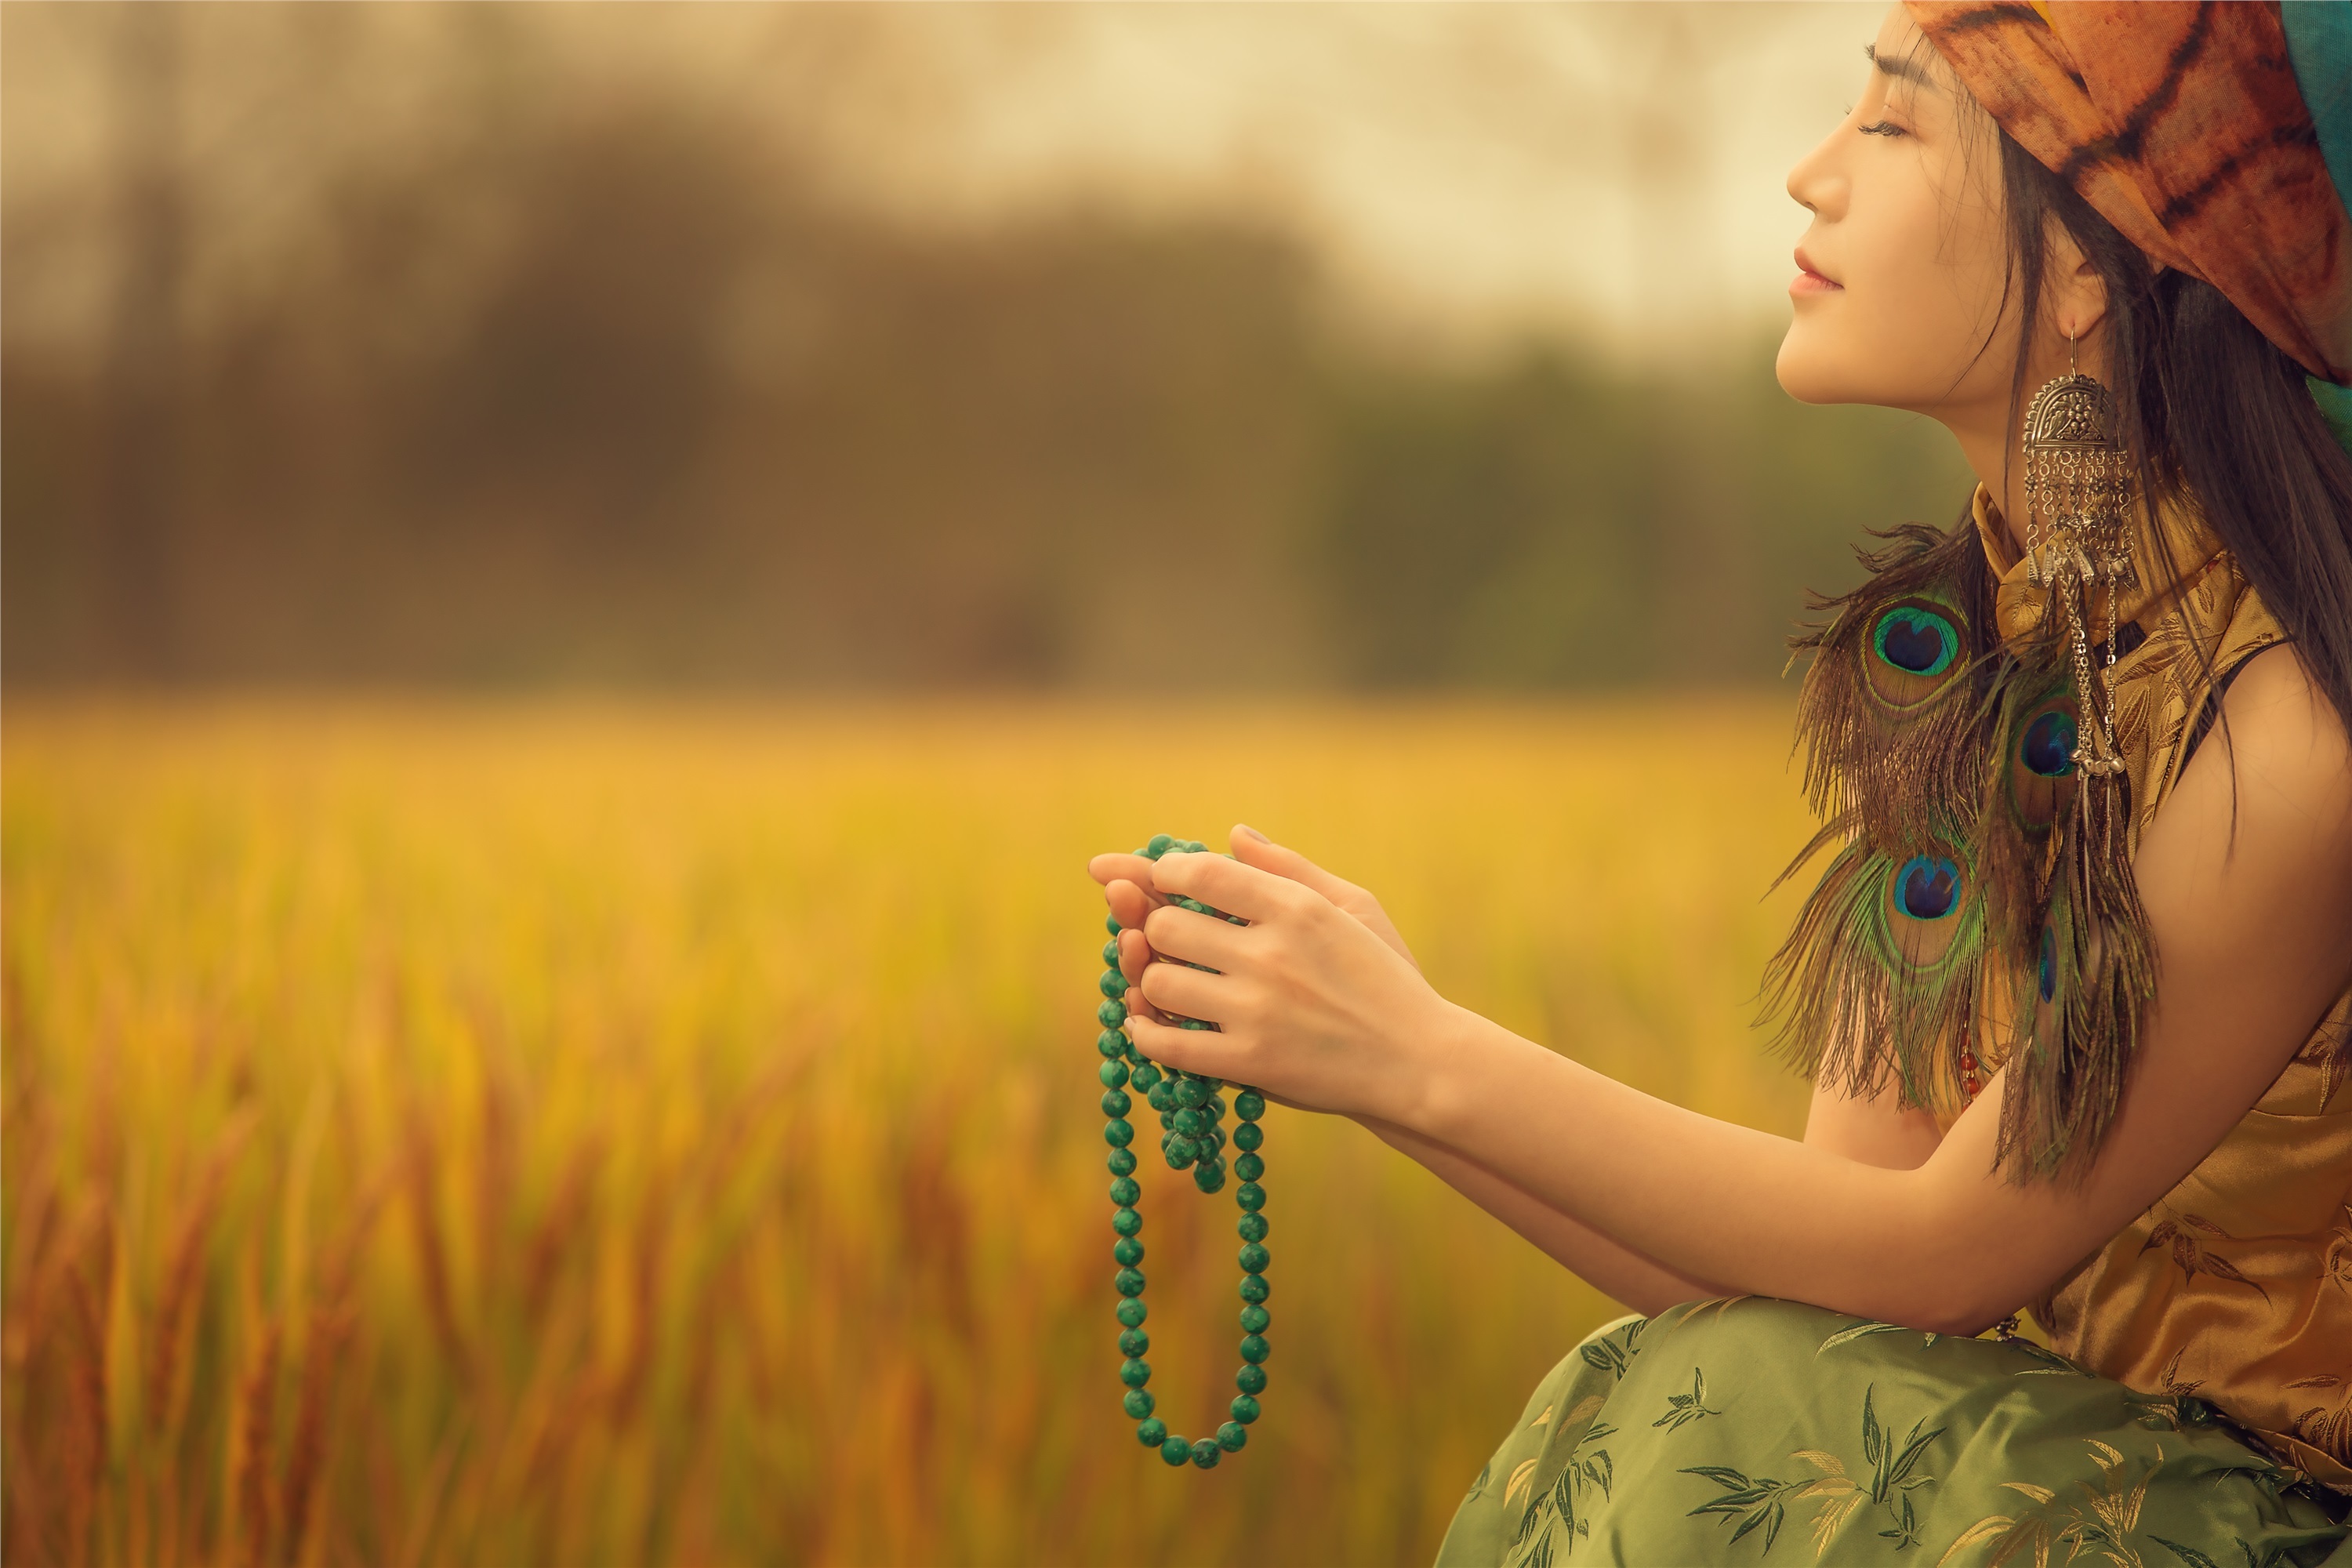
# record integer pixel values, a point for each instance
(1811, 279)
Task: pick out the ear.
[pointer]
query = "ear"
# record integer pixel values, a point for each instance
(2076, 294)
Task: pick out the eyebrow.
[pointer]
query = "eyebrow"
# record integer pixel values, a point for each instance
(1903, 68)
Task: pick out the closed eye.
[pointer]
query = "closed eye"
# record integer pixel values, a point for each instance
(1883, 128)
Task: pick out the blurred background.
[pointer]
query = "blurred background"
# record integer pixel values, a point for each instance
(572, 580)
(876, 347)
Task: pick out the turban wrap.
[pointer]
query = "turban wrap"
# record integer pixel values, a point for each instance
(2215, 137)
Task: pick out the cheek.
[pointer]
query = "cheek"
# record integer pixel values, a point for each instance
(1916, 304)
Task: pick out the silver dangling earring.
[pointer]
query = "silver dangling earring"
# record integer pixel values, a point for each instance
(2078, 485)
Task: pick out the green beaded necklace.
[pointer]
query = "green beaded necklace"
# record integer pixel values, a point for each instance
(1190, 1108)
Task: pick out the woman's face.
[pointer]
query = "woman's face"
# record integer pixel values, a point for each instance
(1900, 273)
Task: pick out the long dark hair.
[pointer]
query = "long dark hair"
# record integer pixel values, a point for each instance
(2209, 406)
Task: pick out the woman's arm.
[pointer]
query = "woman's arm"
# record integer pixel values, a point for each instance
(1618, 1271)
(2254, 930)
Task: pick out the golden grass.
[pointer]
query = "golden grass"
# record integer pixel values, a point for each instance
(569, 1134)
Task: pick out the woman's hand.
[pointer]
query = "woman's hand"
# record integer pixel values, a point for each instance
(1318, 1002)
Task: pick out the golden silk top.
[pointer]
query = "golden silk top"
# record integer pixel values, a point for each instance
(2236, 1285)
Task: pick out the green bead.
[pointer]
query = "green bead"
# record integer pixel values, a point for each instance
(1249, 1137)
(1233, 1436)
(1160, 1096)
(1254, 1287)
(1254, 1349)
(1112, 984)
(1254, 1257)
(1245, 1408)
(1255, 1318)
(1181, 1151)
(1112, 1014)
(1191, 1093)
(1114, 1103)
(1195, 1023)
(1250, 1380)
(1113, 1074)
(1212, 1138)
(1249, 1167)
(1188, 1122)
(1130, 1283)
(1158, 845)
(1122, 1162)
(1214, 1108)
(1134, 1373)
(1205, 1454)
(1249, 1105)
(1209, 1176)
(1110, 924)
(1151, 1432)
(1132, 1312)
(1118, 1133)
(1148, 1078)
(1111, 1044)
(1249, 1194)
(1111, 954)
(1175, 1451)
(1126, 1221)
(1134, 1341)
(1126, 1250)
(1125, 1190)
(1253, 1228)
(1138, 1402)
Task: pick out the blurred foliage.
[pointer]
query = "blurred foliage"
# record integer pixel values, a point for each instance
(613, 392)
(528, 1132)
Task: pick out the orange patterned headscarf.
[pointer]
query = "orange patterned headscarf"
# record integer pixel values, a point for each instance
(2184, 127)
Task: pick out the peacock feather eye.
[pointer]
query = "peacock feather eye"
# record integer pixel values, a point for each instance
(2048, 748)
(2041, 762)
(1923, 898)
(1927, 886)
(1916, 641)
(1913, 649)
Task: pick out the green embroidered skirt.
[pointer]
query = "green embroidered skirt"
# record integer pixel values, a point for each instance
(1755, 1429)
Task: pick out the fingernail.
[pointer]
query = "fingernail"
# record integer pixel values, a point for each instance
(1246, 831)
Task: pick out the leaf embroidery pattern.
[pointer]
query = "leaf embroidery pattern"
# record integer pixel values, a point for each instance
(1858, 1330)
(1684, 1408)
(2190, 1254)
(1555, 1513)
(1760, 1502)
(1612, 1355)
(2330, 1432)
(2114, 1513)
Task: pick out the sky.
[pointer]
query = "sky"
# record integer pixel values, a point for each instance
(1465, 173)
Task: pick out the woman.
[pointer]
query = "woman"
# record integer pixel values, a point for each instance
(2076, 986)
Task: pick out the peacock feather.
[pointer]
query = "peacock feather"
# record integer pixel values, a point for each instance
(1969, 854)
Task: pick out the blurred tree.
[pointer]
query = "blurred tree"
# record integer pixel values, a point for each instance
(607, 390)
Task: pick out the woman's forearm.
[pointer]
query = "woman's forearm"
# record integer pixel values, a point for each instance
(1640, 1281)
(1709, 1200)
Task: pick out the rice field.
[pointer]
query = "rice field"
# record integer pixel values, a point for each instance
(546, 1133)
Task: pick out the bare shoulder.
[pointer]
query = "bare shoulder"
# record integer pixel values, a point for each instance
(2258, 833)
(2287, 742)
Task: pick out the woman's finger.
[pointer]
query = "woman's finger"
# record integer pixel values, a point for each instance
(1190, 993)
(1202, 1051)
(1129, 903)
(1222, 884)
(1110, 868)
(1255, 849)
(1195, 938)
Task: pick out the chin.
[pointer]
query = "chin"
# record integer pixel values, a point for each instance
(1802, 372)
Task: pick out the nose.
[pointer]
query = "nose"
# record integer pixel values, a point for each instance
(1817, 183)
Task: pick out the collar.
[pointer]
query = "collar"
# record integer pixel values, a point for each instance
(2171, 549)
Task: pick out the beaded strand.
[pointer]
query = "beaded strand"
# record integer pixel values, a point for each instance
(1191, 1114)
